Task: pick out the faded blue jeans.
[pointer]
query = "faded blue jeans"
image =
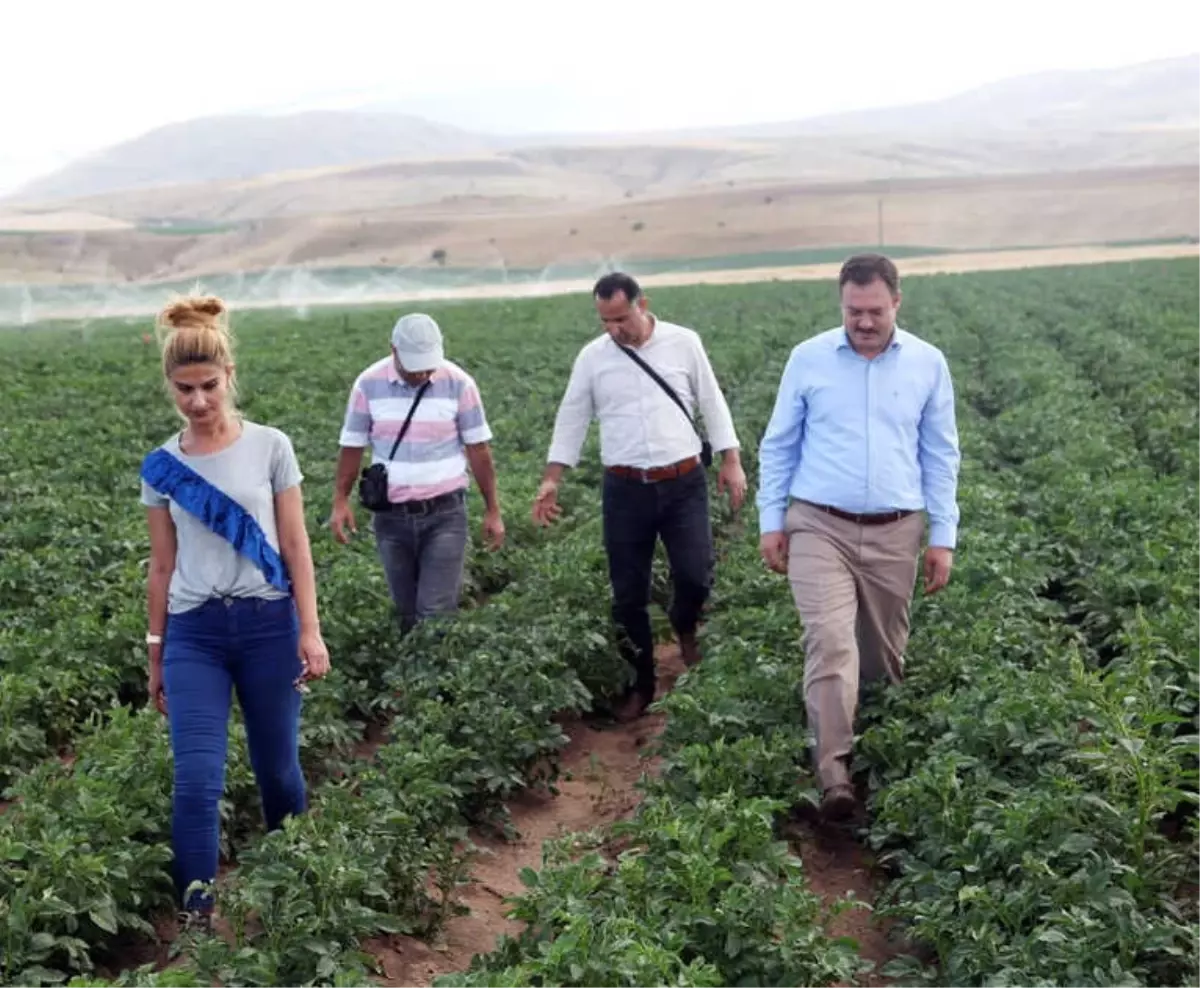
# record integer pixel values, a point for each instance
(423, 551)
(247, 644)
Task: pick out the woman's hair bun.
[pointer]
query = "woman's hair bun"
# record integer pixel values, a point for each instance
(194, 311)
(194, 329)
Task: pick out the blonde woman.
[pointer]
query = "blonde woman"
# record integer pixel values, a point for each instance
(231, 595)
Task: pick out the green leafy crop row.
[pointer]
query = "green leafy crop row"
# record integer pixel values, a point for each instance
(1032, 784)
(1034, 781)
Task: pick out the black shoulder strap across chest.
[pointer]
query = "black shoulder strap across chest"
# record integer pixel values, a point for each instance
(661, 383)
(411, 409)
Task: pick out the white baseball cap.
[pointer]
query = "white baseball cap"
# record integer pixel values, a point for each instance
(418, 342)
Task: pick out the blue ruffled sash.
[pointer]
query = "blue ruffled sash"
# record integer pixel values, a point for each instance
(217, 510)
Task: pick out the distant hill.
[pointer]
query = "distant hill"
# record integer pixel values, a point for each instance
(1150, 95)
(231, 148)
(1020, 112)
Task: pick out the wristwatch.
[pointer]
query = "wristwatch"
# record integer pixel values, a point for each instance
(153, 639)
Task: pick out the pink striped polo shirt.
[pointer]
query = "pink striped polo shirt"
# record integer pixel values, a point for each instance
(431, 459)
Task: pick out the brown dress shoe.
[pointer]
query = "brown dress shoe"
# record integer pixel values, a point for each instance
(631, 707)
(689, 650)
(838, 802)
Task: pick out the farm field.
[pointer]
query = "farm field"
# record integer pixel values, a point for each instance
(1031, 789)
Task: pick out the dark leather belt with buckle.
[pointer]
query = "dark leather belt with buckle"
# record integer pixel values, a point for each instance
(652, 475)
(880, 518)
(427, 505)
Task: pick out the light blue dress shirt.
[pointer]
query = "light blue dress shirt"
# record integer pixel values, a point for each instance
(863, 435)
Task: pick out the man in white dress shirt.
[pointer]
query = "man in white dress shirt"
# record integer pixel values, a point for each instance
(655, 483)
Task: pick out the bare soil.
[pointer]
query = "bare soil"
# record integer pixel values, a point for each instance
(58, 221)
(836, 865)
(602, 766)
(366, 220)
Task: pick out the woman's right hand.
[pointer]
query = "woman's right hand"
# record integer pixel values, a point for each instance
(158, 693)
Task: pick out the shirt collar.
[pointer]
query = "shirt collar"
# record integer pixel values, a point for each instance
(898, 335)
(394, 377)
(655, 326)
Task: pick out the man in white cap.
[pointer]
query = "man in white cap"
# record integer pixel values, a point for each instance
(421, 532)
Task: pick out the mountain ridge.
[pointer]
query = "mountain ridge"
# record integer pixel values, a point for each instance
(1147, 98)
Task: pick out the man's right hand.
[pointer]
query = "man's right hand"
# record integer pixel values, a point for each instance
(774, 550)
(545, 503)
(343, 515)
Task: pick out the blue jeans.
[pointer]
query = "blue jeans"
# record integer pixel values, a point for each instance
(247, 644)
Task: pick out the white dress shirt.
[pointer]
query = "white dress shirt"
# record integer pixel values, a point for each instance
(640, 426)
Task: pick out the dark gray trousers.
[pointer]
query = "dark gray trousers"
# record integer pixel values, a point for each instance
(423, 555)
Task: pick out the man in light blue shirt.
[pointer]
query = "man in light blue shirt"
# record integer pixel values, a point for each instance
(862, 446)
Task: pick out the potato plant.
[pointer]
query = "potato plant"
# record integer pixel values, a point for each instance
(1031, 786)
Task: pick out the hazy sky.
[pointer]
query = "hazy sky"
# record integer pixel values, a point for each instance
(78, 76)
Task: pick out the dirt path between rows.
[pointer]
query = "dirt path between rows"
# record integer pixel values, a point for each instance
(604, 765)
(600, 769)
(601, 766)
(837, 865)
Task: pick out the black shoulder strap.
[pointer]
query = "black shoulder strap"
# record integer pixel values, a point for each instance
(411, 408)
(661, 383)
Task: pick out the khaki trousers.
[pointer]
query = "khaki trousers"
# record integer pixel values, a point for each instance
(852, 585)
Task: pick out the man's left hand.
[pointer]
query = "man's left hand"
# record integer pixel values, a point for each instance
(732, 478)
(938, 562)
(493, 530)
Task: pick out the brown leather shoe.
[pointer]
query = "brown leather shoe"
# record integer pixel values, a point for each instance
(837, 803)
(631, 707)
(689, 650)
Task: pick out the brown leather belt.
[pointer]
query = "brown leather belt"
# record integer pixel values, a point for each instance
(652, 475)
(881, 518)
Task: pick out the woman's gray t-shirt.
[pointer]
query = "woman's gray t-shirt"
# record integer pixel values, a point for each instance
(251, 470)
